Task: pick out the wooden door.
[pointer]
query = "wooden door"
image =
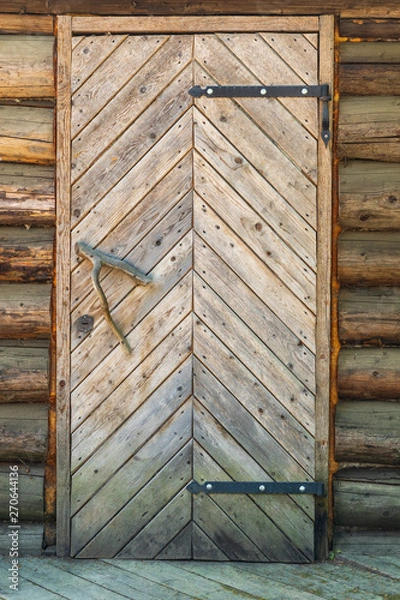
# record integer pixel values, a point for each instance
(218, 201)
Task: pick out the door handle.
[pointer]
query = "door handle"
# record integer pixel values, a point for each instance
(98, 258)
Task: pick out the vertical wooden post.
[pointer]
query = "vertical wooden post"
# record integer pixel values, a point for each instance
(324, 238)
(63, 243)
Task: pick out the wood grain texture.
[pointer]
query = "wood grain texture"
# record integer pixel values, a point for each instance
(24, 373)
(30, 491)
(369, 28)
(26, 24)
(26, 255)
(26, 66)
(369, 373)
(372, 53)
(27, 194)
(23, 432)
(25, 311)
(26, 135)
(366, 432)
(369, 80)
(368, 119)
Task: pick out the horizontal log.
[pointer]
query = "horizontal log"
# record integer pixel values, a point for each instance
(369, 316)
(364, 8)
(370, 52)
(367, 432)
(26, 255)
(23, 432)
(369, 119)
(367, 498)
(24, 374)
(26, 66)
(26, 194)
(369, 258)
(30, 539)
(386, 150)
(374, 29)
(369, 195)
(30, 485)
(25, 310)
(374, 542)
(29, 24)
(369, 373)
(26, 135)
(369, 80)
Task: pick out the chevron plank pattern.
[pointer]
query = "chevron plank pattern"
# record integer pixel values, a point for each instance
(215, 199)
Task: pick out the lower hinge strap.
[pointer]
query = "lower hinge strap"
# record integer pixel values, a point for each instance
(257, 487)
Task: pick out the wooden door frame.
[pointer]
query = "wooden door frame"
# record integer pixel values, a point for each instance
(66, 27)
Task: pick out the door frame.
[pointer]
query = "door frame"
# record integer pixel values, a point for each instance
(66, 27)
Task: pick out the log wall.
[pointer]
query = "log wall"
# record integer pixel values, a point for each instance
(366, 392)
(367, 414)
(26, 268)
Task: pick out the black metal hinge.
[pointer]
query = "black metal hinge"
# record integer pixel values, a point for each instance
(257, 487)
(271, 91)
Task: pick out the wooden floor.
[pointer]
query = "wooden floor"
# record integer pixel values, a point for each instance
(352, 574)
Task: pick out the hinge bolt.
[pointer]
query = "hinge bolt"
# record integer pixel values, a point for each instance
(209, 486)
(262, 488)
(263, 92)
(302, 488)
(304, 91)
(210, 91)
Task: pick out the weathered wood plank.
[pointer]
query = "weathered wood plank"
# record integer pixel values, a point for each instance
(23, 432)
(26, 24)
(369, 316)
(376, 29)
(367, 52)
(369, 259)
(369, 373)
(367, 432)
(30, 491)
(27, 194)
(26, 255)
(369, 80)
(26, 66)
(367, 498)
(25, 311)
(23, 374)
(369, 542)
(369, 195)
(387, 150)
(26, 135)
(369, 119)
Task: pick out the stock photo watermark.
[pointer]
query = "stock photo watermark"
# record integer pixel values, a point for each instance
(14, 528)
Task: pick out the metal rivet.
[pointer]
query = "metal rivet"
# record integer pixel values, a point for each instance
(262, 488)
(263, 91)
(210, 91)
(302, 488)
(208, 486)
(304, 91)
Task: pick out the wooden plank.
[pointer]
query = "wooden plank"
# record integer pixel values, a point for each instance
(369, 198)
(180, 546)
(387, 150)
(26, 255)
(138, 502)
(367, 498)
(110, 77)
(89, 53)
(191, 24)
(27, 194)
(30, 491)
(25, 311)
(369, 316)
(124, 108)
(369, 80)
(256, 232)
(24, 374)
(323, 325)
(63, 253)
(26, 135)
(370, 542)
(255, 312)
(26, 24)
(30, 540)
(366, 432)
(384, 28)
(367, 52)
(369, 259)
(369, 373)
(26, 66)
(368, 119)
(23, 432)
